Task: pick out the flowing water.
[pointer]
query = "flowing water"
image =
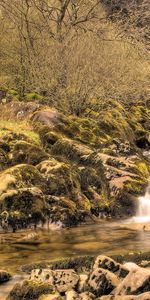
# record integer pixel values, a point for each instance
(105, 237)
(143, 212)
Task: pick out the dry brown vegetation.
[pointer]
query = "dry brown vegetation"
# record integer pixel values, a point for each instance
(70, 51)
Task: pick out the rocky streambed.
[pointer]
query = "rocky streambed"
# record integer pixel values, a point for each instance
(86, 278)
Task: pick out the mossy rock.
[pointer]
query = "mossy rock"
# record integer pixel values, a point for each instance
(10, 137)
(72, 150)
(47, 136)
(3, 160)
(24, 152)
(21, 189)
(47, 116)
(135, 186)
(61, 178)
(30, 290)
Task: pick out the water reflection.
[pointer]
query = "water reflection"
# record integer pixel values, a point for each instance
(105, 237)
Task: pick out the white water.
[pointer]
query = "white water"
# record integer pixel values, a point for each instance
(143, 213)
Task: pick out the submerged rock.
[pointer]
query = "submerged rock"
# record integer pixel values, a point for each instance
(4, 276)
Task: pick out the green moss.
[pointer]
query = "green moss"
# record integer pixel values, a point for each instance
(143, 169)
(33, 96)
(135, 186)
(30, 290)
(70, 149)
(12, 92)
(24, 152)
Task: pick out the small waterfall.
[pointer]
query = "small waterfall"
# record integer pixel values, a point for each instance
(143, 213)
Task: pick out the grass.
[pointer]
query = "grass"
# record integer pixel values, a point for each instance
(19, 127)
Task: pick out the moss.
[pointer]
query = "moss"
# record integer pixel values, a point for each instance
(16, 128)
(12, 92)
(24, 152)
(3, 159)
(21, 192)
(143, 169)
(62, 179)
(33, 96)
(135, 186)
(71, 149)
(30, 290)
(47, 136)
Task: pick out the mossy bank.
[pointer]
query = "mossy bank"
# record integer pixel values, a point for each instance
(58, 168)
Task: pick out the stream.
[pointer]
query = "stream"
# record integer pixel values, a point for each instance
(103, 237)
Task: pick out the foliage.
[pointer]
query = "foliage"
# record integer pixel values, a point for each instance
(38, 39)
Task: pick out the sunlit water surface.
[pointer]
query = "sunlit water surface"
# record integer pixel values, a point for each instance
(90, 239)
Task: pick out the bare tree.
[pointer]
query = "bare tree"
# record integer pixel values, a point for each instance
(72, 51)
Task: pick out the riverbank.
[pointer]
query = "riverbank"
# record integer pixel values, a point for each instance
(58, 168)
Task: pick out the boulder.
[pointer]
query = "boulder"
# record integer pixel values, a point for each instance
(62, 279)
(49, 117)
(87, 296)
(25, 152)
(21, 194)
(144, 296)
(30, 290)
(102, 282)
(3, 160)
(4, 276)
(55, 296)
(135, 283)
(131, 266)
(108, 263)
(82, 284)
(72, 295)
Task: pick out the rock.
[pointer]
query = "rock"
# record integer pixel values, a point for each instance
(71, 149)
(43, 275)
(144, 296)
(4, 276)
(55, 296)
(108, 263)
(3, 160)
(62, 279)
(21, 195)
(30, 290)
(102, 282)
(65, 280)
(87, 296)
(72, 295)
(25, 152)
(136, 282)
(83, 278)
(49, 117)
(145, 263)
(131, 266)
